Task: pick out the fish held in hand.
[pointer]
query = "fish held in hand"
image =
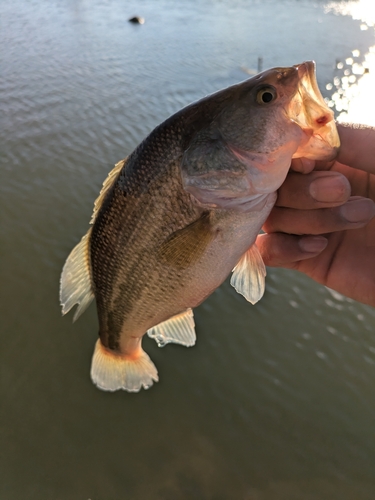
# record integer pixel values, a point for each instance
(184, 209)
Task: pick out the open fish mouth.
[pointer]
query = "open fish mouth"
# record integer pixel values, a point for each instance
(309, 110)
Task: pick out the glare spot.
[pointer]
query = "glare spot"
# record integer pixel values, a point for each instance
(369, 360)
(356, 53)
(332, 330)
(358, 69)
(336, 295)
(321, 355)
(360, 10)
(349, 61)
(357, 89)
(339, 106)
(345, 81)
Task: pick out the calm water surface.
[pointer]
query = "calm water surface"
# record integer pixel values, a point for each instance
(276, 401)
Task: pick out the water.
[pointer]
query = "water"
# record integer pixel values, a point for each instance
(275, 401)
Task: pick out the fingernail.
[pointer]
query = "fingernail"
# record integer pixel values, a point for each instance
(330, 188)
(312, 244)
(358, 210)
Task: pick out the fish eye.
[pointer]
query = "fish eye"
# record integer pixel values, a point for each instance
(266, 95)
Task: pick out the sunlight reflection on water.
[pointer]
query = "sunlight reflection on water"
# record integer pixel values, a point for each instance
(355, 102)
(359, 10)
(354, 81)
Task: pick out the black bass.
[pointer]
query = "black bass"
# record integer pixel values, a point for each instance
(183, 211)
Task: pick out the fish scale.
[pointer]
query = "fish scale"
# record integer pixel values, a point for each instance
(136, 269)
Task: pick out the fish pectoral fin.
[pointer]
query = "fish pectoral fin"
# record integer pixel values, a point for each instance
(111, 371)
(75, 282)
(185, 247)
(107, 184)
(248, 276)
(179, 329)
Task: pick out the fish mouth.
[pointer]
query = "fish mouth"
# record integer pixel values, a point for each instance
(310, 112)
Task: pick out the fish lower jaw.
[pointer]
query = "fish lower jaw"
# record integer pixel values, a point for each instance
(317, 149)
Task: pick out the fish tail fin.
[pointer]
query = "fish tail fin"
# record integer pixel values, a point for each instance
(75, 282)
(111, 371)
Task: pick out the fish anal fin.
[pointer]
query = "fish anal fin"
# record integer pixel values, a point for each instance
(179, 329)
(111, 371)
(107, 184)
(248, 276)
(186, 246)
(75, 282)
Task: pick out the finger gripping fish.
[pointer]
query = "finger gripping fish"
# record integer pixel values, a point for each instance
(184, 209)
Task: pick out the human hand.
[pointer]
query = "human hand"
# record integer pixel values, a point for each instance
(321, 224)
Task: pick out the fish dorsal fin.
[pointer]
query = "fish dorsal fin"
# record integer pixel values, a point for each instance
(248, 276)
(106, 186)
(179, 329)
(185, 247)
(75, 282)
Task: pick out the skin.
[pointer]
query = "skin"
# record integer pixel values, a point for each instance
(322, 224)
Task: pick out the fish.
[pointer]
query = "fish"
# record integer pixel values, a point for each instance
(183, 211)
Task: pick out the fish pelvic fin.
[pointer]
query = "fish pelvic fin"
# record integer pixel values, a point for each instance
(107, 184)
(111, 371)
(186, 246)
(179, 329)
(248, 276)
(75, 283)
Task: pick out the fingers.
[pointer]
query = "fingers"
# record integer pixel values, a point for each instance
(356, 212)
(357, 149)
(302, 165)
(286, 250)
(313, 190)
(357, 146)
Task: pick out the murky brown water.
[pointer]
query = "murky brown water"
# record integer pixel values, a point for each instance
(275, 402)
